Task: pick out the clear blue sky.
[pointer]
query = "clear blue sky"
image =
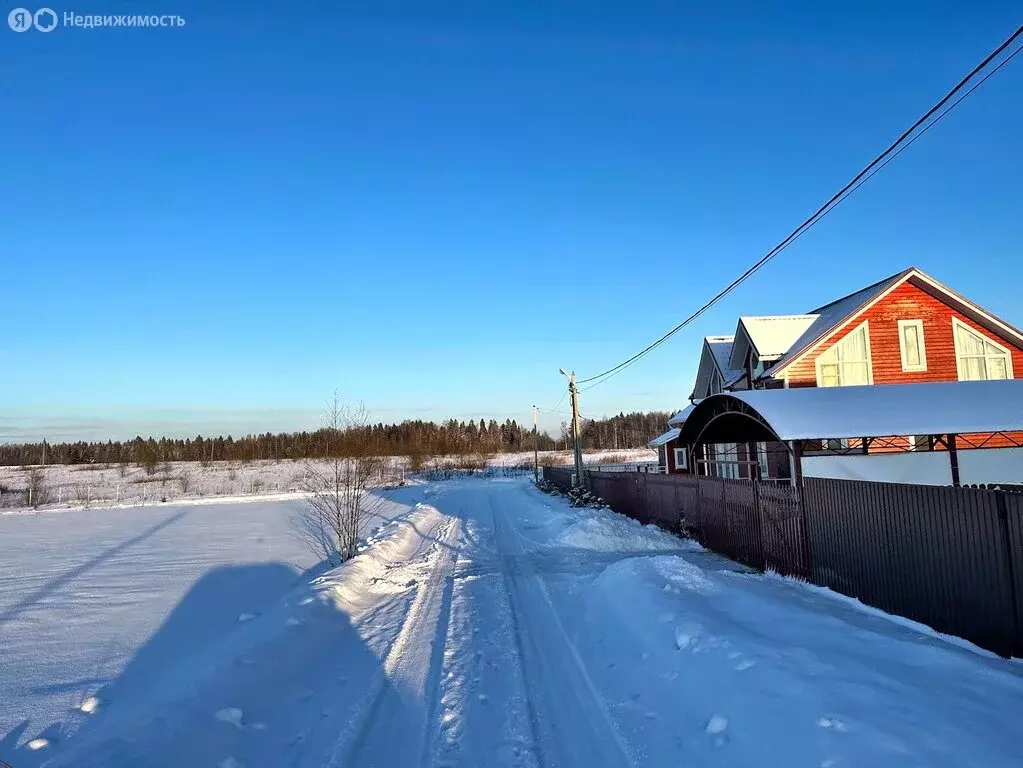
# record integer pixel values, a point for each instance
(432, 210)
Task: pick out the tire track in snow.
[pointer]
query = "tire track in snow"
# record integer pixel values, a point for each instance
(483, 717)
(403, 700)
(570, 723)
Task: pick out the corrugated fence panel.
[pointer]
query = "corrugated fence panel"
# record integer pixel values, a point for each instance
(743, 515)
(951, 558)
(1014, 564)
(933, 554)
(664, 501)
(785, 541)
(560, 477)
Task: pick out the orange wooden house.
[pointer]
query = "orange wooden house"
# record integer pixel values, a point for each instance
(905, 329)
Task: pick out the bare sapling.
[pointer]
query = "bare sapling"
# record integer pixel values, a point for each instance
(339, 485)
(37, 492)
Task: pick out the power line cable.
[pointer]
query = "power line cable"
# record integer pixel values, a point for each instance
(881, 160)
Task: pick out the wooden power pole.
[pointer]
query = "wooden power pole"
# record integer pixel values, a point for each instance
(577, 443)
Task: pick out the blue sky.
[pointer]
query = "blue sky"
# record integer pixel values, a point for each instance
(433, 207)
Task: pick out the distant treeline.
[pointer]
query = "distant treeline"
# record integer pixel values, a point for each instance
(409, 438)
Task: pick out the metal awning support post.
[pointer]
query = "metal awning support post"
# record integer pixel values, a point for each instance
(796, 457)
(953, 459)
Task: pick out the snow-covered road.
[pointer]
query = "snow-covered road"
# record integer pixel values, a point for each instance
(487, 624)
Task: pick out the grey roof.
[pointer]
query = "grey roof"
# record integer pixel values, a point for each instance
(935, 408)
(721, 349)
(716, 350)
(667, 437)
(680, 418)
(832, 315)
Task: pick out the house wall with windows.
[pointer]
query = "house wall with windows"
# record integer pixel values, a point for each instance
(893, 323)
(910, 336)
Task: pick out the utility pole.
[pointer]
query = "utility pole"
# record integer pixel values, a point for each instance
(576, 436)
(536, 450)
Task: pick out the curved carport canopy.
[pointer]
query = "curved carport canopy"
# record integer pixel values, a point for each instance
(822, 413)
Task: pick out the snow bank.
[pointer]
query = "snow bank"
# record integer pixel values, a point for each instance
(608, 532)
(281, 683)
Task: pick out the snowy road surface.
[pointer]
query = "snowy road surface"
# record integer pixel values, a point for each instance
(483, 624)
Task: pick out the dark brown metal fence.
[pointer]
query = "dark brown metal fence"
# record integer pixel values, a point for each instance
(951, 558)
(559, 477)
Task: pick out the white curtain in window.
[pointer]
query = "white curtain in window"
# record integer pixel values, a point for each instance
(979, 359)
(911, 340)
(846, 364)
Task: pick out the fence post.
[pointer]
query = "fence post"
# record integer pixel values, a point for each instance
(1010, 572)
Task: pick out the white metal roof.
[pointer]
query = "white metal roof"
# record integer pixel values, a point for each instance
(680, 418)
(667, 437)
(937, 408)
(773, 336)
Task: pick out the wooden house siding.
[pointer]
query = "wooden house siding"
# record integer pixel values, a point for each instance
(906, 302)
(910, 302)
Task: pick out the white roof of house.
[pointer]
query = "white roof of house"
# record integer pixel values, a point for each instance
(938, 408)
(680, 418)
(774, 335)
(667, 437)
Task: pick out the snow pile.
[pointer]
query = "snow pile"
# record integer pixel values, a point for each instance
(293, 683)
(785, 675)
(608, 532)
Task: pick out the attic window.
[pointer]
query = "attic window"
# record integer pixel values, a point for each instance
(977, 357)
(847, 363)
(911, 345)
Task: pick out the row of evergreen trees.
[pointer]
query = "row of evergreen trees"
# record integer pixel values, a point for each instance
(421, 438)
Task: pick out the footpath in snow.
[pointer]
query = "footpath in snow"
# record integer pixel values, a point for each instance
(485, 623)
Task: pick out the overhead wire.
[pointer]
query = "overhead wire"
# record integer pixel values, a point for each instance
(879, 162)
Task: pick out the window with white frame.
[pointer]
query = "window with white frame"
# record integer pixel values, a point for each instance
(977, 357)
(727, 458)
(911, 345)
(847, 362)
(680, 459)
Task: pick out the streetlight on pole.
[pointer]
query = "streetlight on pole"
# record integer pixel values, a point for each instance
(576, 437)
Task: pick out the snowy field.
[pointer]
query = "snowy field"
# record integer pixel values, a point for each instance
(483, 623)
(103, 485)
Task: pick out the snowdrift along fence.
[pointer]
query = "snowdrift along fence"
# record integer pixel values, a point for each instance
(948, 557)
(559, 477)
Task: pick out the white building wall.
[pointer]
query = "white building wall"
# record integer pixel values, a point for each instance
(991, 465)
(922, 467)
(976, 466)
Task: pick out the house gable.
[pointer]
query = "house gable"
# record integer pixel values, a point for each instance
(912, 299)
(713, 364)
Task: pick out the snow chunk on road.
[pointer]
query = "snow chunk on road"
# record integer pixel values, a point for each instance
(89, 705)
(717, 724)
(608, 532)
(231, 715)
(682, 574)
